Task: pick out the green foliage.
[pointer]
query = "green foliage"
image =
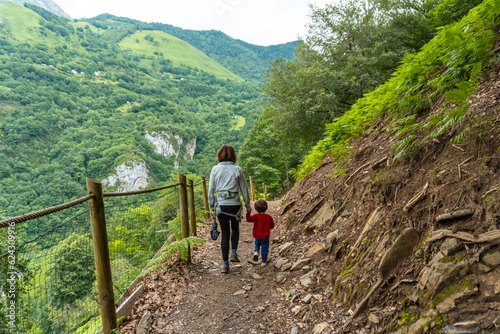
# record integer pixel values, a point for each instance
(181, 246)
(448, 65)
(244, 59)
(352, 47)
(72, 271)
(267, 156)
(179, 52)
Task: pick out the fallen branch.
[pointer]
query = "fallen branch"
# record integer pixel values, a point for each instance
(466, 160)
(462, 163)
(356, 172)
(455, 146)
(497, 187)
(417, 198)
(454, 215)
(378, 163)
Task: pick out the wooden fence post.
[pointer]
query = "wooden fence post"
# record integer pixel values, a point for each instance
(192, 208)
(205, 196)
(264, 189)
(101, 255)
(184, 209)
(252, 189)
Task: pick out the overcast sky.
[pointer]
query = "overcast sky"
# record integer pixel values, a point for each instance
(261, 22)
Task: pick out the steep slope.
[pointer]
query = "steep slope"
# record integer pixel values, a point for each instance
(393, 244)
(18, 20)
(247, 60)
(373, 248)
(153, 42)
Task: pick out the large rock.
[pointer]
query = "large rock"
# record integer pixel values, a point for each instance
(435, 277)
(129, 176)
(468, 327)
(300, 263)
(323, 216)
(400, 250)
(413, 328)
(280, 262)
(323, 327)
(450, 246)
(332, 239)
(492, 257)
(308, 279)
(144, 324)
(318, 247)
(280, 277)
(284, 247)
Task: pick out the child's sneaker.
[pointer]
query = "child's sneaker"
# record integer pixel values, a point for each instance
(263, 264)
(256, 256)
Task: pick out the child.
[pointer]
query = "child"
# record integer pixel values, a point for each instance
(263, 223)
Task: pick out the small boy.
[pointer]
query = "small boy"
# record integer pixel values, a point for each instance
(263, 223)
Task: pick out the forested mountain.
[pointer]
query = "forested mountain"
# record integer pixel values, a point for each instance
(247, 60)
(111, 97)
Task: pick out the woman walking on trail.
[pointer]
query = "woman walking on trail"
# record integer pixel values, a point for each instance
(228, 181)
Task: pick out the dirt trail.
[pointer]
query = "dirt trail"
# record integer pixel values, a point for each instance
(197, 298)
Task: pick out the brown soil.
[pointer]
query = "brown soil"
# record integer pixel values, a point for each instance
(197, 298)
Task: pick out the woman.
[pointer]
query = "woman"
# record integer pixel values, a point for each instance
(228, 180)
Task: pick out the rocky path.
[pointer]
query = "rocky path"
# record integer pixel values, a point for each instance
(197, 298)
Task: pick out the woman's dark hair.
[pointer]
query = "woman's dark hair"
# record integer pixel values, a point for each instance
(226, 153)
(260, 206)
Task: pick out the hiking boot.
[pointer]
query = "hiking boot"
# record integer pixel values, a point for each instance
(225, 269)
(234, 258)
(256, 256)
(263, 264)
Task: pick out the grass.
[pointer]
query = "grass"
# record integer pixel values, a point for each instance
(83, 24)
(19, 21)
(178, 51)
(238, 122)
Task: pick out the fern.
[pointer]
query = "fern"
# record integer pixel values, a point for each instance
(404, 146)
(167, 250)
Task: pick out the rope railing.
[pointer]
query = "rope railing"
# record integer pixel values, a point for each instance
(137, 192)
(97, 236)
(44, 212)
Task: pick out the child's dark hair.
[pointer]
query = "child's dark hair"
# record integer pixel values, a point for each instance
(260, 205)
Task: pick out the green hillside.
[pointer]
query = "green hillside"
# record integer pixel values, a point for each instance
(18, 21)
(80, 97)
(153, 42)
(246, 60)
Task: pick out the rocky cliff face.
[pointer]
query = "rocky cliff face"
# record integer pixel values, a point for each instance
(168, 144)
(129, 176)
(46, 4)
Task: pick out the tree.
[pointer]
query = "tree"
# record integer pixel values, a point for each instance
(72, 270)
(352, 47)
